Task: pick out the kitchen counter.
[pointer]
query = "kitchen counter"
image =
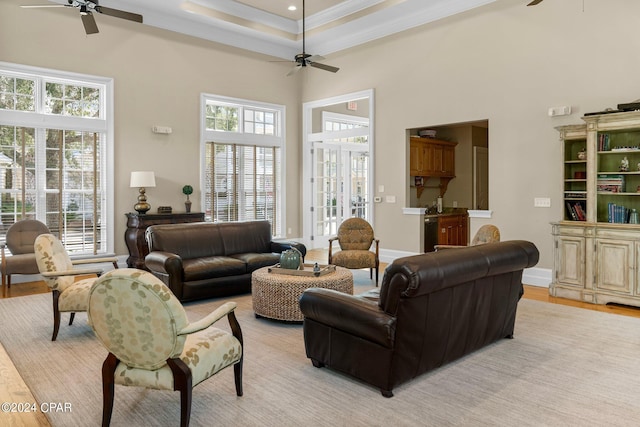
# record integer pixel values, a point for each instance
(431, 214)
(446, 212)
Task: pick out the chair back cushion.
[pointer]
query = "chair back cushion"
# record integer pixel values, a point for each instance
(22, 235)
(486, 234)
(51, 256)
(355, 234)
(137, 318)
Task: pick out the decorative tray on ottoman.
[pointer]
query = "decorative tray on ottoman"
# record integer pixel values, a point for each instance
(307, 271)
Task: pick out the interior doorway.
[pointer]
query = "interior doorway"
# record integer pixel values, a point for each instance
(470, 187)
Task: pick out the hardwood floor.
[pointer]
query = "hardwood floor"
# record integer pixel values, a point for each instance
(13, 389)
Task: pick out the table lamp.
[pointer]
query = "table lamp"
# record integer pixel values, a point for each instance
(142, 179)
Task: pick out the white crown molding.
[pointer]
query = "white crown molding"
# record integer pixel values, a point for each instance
(343, 26)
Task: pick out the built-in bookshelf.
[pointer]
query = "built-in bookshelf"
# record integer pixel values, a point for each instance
(596, 252)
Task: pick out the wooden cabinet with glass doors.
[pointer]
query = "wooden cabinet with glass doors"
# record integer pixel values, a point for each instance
(596, 256)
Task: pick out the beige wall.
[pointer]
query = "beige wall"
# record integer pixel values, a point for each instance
(504, 62)
(158, 78)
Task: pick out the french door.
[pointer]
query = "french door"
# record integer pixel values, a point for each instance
(338, 159)
(340, 188)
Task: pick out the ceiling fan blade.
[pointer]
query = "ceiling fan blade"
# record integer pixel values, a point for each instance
(119, 14)
(38, 6)
(534, 2)
(294, 70)
(314, 58)
(89, 22)
(324, 67)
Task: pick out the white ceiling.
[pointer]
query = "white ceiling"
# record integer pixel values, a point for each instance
(266, 26)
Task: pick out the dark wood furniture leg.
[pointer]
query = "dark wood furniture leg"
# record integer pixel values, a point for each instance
(56, 314)
(182, 382)
(108, 373)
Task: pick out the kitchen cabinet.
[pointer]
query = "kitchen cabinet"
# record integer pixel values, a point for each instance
(432, 157)
(453, 230)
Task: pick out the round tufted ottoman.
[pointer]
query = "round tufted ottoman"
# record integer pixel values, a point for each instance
(277, 296)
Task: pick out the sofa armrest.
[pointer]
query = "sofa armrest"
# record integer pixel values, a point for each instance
(351, 314)
(164, 262)
(279, 246)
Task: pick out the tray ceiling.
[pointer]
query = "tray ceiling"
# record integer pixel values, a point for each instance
(268, 27)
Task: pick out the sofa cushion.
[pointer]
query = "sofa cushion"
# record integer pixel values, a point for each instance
(190, 240)
(211, 267)
(255, 261)
(244, 237)
(354, 258)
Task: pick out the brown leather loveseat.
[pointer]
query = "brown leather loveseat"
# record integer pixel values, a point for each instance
(432, 309)
(205, 260)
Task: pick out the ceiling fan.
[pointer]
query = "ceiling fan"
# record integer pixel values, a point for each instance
(534, 2)
(304, 59)
(87, 7)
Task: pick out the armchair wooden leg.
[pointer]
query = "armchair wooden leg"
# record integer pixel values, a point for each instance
(182, 381)
(237, 368)
(237, 373)
(56, 315)
(108, 373)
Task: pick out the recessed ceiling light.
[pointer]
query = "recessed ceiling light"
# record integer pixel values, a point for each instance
(292, 8)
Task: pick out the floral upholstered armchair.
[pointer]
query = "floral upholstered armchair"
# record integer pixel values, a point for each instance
(486, 234)
(355, 237)
(151, 343)
(57, 269)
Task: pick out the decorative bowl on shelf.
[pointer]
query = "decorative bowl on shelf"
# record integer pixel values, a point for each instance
(427, 133)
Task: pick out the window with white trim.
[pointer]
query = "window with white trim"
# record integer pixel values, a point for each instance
(243, 161)
(54, 128)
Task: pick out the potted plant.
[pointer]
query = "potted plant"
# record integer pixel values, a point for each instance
(187, 189)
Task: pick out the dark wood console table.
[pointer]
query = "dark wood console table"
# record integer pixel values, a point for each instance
(137, 224)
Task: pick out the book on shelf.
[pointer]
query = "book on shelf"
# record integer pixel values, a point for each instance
(577, 211)
(618, 214)
(603, 142)
(611, 183)
(575, 194)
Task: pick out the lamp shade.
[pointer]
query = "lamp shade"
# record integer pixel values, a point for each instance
(143, 179)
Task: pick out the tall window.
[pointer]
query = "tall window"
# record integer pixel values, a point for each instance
(243, 165)
(54, 154)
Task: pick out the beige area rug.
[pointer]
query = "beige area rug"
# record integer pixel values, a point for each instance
(565, 367)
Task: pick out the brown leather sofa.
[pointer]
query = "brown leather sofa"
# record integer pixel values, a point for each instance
(432, 309)
(205, 260)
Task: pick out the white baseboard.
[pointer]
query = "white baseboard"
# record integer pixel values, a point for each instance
(537, 277)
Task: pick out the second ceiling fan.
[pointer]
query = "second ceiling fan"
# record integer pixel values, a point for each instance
(304, 59)
(87, 7)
